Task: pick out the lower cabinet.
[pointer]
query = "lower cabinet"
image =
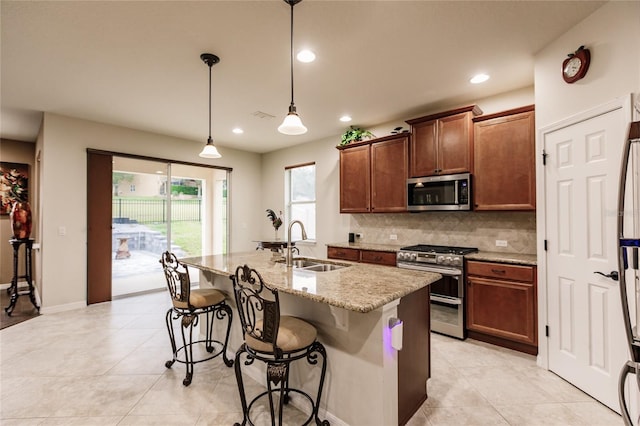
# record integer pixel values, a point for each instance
(502, 305)
(360, 255)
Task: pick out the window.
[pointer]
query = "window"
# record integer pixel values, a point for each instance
(300, 199)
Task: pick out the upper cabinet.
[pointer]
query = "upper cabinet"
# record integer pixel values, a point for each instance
(504, 160)
(442, 143)
(373, 175)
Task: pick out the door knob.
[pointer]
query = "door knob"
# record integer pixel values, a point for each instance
(613, 275)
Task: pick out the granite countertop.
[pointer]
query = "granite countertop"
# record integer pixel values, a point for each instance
(359, 287)
(513, 258)
(488, 256)
(368, 246)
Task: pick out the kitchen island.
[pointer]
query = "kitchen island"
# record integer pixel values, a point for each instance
(368, 380)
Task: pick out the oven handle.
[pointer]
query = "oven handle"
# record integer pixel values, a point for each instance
(447, 300)
(437, 270)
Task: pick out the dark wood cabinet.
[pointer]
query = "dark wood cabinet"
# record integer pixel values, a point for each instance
(504, 165)
(389, 160)
(355, 179)
(343, 253)
(377, 257)
(502, 305)
(414, 360)
(373, 176)
(442, 143)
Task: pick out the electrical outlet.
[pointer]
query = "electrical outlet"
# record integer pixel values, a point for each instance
(501, 243)
(393, 237)
(62, 231)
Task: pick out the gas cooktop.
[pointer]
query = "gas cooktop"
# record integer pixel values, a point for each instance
(426, 248)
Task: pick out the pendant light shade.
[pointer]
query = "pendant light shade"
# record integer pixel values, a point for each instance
(209, 150)
(292, 124)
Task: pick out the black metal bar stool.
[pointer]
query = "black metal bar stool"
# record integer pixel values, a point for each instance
(275, 340)
(188, 305)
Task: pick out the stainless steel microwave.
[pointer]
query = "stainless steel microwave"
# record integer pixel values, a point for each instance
(447, 192)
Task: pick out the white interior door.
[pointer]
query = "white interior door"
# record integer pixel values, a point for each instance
(587, 343)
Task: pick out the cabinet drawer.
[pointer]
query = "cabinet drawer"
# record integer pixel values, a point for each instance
(502, 271)
(378, 257)
(343, 253)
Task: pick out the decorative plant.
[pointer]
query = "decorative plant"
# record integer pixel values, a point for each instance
(276, 221)
(355, 134)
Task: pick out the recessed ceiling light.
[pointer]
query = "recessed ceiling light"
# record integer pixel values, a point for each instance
(238, 131)
(479, 78)
(345, 118)
(306, 56)
(160, 172)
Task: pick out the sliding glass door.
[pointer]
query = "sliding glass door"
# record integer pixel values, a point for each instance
(159, 206)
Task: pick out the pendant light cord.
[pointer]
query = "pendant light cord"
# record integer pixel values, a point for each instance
(209, 103)
(292, 54)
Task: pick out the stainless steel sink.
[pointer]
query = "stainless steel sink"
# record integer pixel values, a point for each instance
(323, 267)
(304, 263)
(316, 265)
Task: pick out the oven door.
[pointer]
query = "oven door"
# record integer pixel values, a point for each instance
(447, 305)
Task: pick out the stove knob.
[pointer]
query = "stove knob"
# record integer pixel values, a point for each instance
(414, 256)
(456, 261)
(448, 260)
(440, 260)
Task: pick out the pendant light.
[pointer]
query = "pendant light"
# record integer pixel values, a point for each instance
(292, 125)
(209, 150)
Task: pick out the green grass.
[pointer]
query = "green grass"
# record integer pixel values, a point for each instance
(188, 235)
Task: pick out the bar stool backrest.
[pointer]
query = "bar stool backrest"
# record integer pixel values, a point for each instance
(258, 306)
(178, 281)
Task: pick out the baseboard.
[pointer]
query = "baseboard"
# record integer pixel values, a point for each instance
(5, 286)
(63, 308)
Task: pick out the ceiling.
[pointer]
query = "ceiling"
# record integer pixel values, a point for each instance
(137, 63)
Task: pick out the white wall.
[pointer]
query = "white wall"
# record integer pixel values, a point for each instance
(330, 225)
(63, 194)
(612, 34)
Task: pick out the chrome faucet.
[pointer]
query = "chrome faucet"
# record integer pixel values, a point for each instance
(304, 237)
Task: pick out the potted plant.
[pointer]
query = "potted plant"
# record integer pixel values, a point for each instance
(355, 134)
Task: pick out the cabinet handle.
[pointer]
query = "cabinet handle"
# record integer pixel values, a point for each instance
(378, 258)
(498, 271)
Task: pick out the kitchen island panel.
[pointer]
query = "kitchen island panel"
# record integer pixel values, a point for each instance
(363, 369)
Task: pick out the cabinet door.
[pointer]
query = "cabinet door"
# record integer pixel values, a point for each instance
(503, 309)
(389, 176)
(378, 257)
(423, 149)
(355, 179)
(454, 147)
(504, 166)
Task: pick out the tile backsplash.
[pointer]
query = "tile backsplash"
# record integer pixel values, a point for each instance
(466, 229)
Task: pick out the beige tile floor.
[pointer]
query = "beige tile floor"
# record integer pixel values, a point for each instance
(104, 365)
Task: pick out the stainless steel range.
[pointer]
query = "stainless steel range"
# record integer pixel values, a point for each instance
(447, 294)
